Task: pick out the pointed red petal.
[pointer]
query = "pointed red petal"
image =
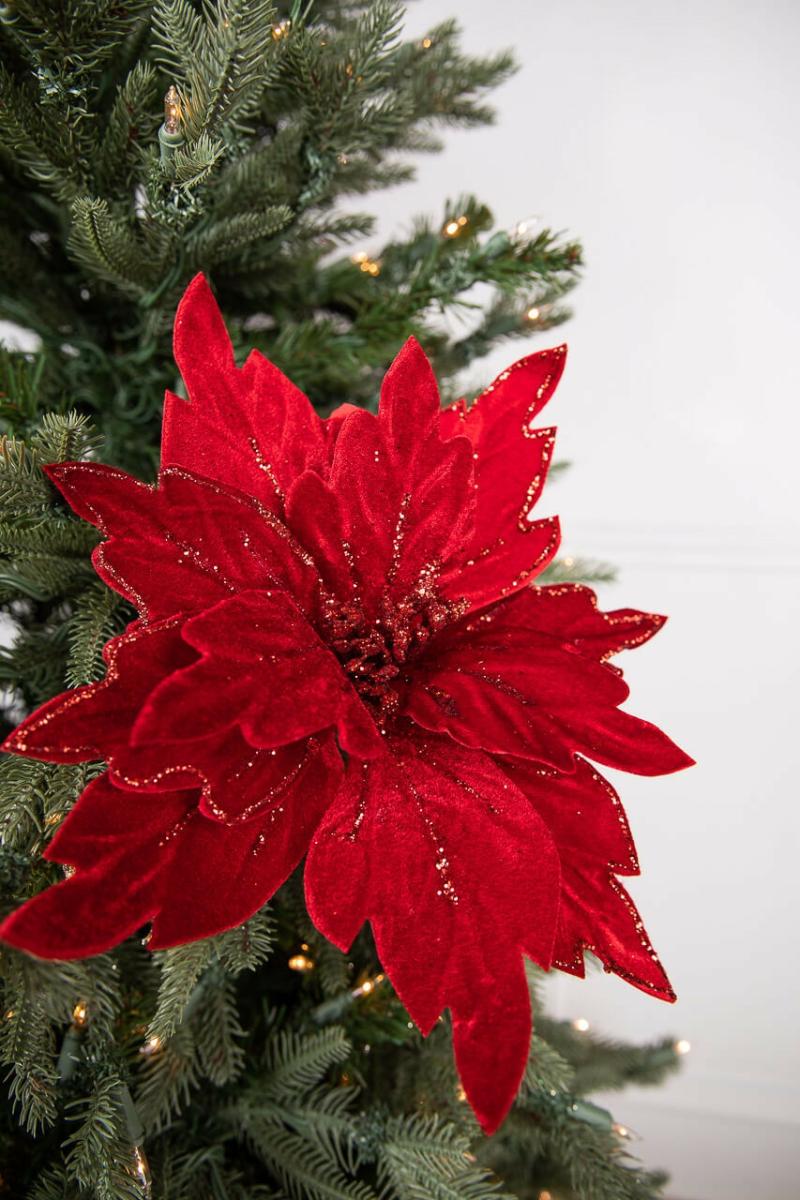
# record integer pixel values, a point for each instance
(504, 566)
(409, 406)
(590, 830)
(618, 739)
(154, 856)
(523, 678)
(186, 544)
(221, 875)
(113, 838)
(249, 428)
(314, 515)
(404, 492)
(569, 611)
(597, 914)
(511, 463)
(263, 668)
(512, 692)
(435, 847)
(582, 811)
(94, 721)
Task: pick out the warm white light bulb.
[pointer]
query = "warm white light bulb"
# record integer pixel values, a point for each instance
(172, 110)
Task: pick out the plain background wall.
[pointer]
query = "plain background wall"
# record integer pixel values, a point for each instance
(665, 136)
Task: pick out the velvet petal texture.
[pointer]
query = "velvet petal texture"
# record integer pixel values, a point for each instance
(249, 427)
(527, 677)
(186, 543)
(154, 856)
(588, 825)
(508, 549)
(340, 646)
(476, 866)
(280, 681)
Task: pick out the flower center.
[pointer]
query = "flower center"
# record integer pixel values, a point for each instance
(377, 654)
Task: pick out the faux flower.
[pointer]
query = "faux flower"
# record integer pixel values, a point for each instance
(341, 652)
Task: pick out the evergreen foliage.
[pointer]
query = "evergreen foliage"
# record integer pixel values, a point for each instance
(233, 1071)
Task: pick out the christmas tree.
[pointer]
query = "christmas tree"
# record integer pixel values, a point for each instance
(141, 144)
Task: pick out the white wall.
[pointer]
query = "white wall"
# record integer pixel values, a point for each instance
(665, 135)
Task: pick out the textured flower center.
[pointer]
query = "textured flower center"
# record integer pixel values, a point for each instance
(377, 654)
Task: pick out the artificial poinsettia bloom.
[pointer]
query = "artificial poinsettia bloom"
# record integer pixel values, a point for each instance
(340, 652)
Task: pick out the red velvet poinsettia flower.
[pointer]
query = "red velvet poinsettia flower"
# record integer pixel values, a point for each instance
(340, 652)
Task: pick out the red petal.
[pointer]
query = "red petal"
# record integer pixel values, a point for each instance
(590, 830)
(582, 811)
(249, 428)
(367, 494)
(618, 739)
(503, 566)
(512, 692)
(409, 406)
(597, 914)
(512, 681)
(219, 879)
(237, 780)
(511, 463)
(94, 721)
(314, 515)
(114, 839)
(434, 846)
(508, 406)
(263, 668)
(186, 544)
(153, 856)
(569, 611)
(405, 493)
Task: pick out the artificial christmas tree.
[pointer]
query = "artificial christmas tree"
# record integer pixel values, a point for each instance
(262, 1060)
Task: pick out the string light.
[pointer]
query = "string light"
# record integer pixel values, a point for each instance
(281, 30)
(682, 1046)
(545, 1195)
(426, 43)
(140, 1170)
(581, 1024)
(80, 1015)
(153, 1045)
(366, 264)
(170, 135)
(525, 228)
(172, 110)
(461, 1095)
(533, 314)
(455, 226)
(622, 1131)
(367, 986)
(302, 961)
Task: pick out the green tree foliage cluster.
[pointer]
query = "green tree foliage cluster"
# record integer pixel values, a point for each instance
(261, 1063)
